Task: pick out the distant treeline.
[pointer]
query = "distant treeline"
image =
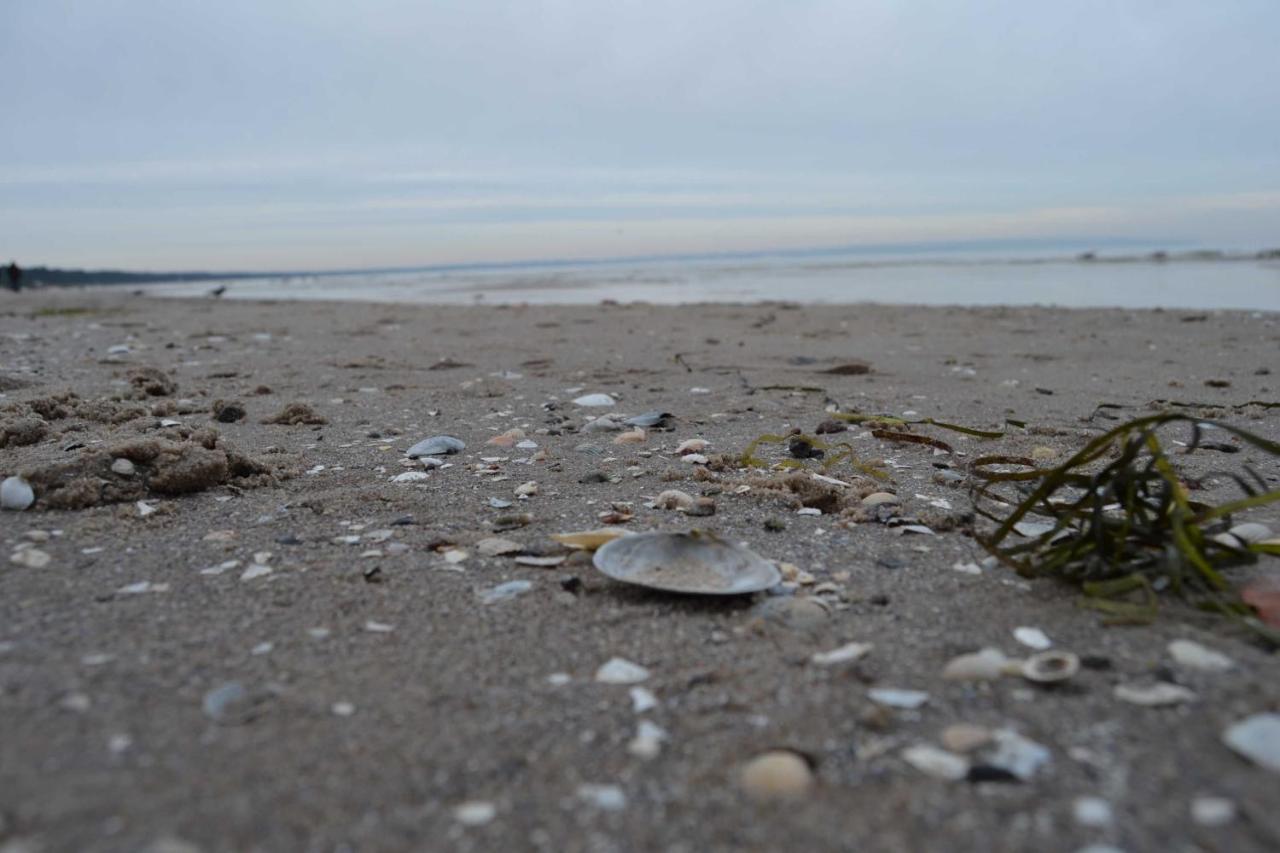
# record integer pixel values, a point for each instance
(47, 275)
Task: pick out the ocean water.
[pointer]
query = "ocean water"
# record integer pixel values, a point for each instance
(1186, 282)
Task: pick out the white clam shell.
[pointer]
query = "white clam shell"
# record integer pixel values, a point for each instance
(695, 562)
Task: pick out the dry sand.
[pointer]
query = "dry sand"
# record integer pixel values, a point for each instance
(365, 739)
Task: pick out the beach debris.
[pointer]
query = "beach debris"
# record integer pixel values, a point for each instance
(227, 411)
(847, 653)
(935, 762)
(621, 671)
(604, 423)
(149, 381)
(342, 709)
(852, 368)
(594, 400)
(507, 439)
(1032, 638)
(30, 558)
(473, 812)
(797, 613)
(496, 546)
(1050, 667)
(511, 522)
(648, 740)
(876, 499)
(1127, 527)
(893, 697)
(1212, 811)
(16, 494)
(985, 665)
(642, 699)
(295, 414)
(505, 591)
(1154, 695)
(411, 477)
(229, 704)
(673, 499)
(695, 459)
(1010, 755)
(123, 467)
(589, 540)
(1263, 595)
(548, 562)
(829, 427)
(965, 737)
(779, 774)
(609, 798)
(527, 490)
(1256, 738)
(1093, 812)
(656, 418)
(454, 556)
(1195, 656)
(436, 445)
(691, 445)
(634, 436)
(695, 562)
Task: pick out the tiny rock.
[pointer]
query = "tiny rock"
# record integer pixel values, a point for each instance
(1213, 811)
(984, 665)
(1092, 811)
(965, 737)
(1032, 638)
(847, 653)
(474, 812)
(634, 436)
(892, 697)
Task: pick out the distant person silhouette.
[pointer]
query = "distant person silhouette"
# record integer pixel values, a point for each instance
(15, 277)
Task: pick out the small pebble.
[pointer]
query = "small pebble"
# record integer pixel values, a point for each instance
(935, 762)
(776, 775)
(621, 671)
(475, 812)
(1092, 812)
(605, 797)
(16, 494)
(1257, 738)
(1213, 811)
(892, 697)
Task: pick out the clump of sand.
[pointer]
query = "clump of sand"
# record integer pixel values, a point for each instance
(160, 467)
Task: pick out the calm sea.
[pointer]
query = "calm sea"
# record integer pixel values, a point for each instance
(1134, 281)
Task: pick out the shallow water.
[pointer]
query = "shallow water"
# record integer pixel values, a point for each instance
(1189, 284)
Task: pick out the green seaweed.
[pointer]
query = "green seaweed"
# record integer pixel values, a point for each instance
(1119, 521)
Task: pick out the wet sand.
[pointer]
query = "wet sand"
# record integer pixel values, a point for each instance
(381, 692)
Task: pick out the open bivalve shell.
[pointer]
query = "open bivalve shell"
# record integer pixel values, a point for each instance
(696, 562)
(1050, 667)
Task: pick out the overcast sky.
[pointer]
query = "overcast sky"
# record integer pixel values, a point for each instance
(291, 134)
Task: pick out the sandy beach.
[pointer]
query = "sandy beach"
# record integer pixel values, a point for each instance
(386, 698)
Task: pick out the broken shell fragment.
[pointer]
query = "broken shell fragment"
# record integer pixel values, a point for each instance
(591, 400)
(648, 419)
(691, 445)
(695, 562)
(437, 445)
(633, 436)
(985, 665)
(673, 499)
(589, 540)
(1050, 667)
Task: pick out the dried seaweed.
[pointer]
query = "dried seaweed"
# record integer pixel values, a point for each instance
(843, 451)
(1116, 519)
(890, 420)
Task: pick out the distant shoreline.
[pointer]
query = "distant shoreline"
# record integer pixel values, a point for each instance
(900, 254)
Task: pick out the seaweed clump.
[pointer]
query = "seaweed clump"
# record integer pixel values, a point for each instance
(1117, 520)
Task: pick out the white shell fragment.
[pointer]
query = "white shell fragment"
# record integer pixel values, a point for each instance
(1251, 532)
(984, 665)
(621, 671)
(1257, 738)
(1019, 756)
(935, 762)
(437, 445)
(893, 697)
(1153, 695)
(1032, 638)
(474, 812)
(16, 494)
(505, 591)
(648, 740)
(1195, 656)
(594, 400)
(845, 654)
(693, 562)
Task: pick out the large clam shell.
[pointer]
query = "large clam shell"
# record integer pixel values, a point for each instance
(695, 562)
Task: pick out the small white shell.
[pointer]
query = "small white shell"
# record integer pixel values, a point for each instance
(693, 562)
(437, 445)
